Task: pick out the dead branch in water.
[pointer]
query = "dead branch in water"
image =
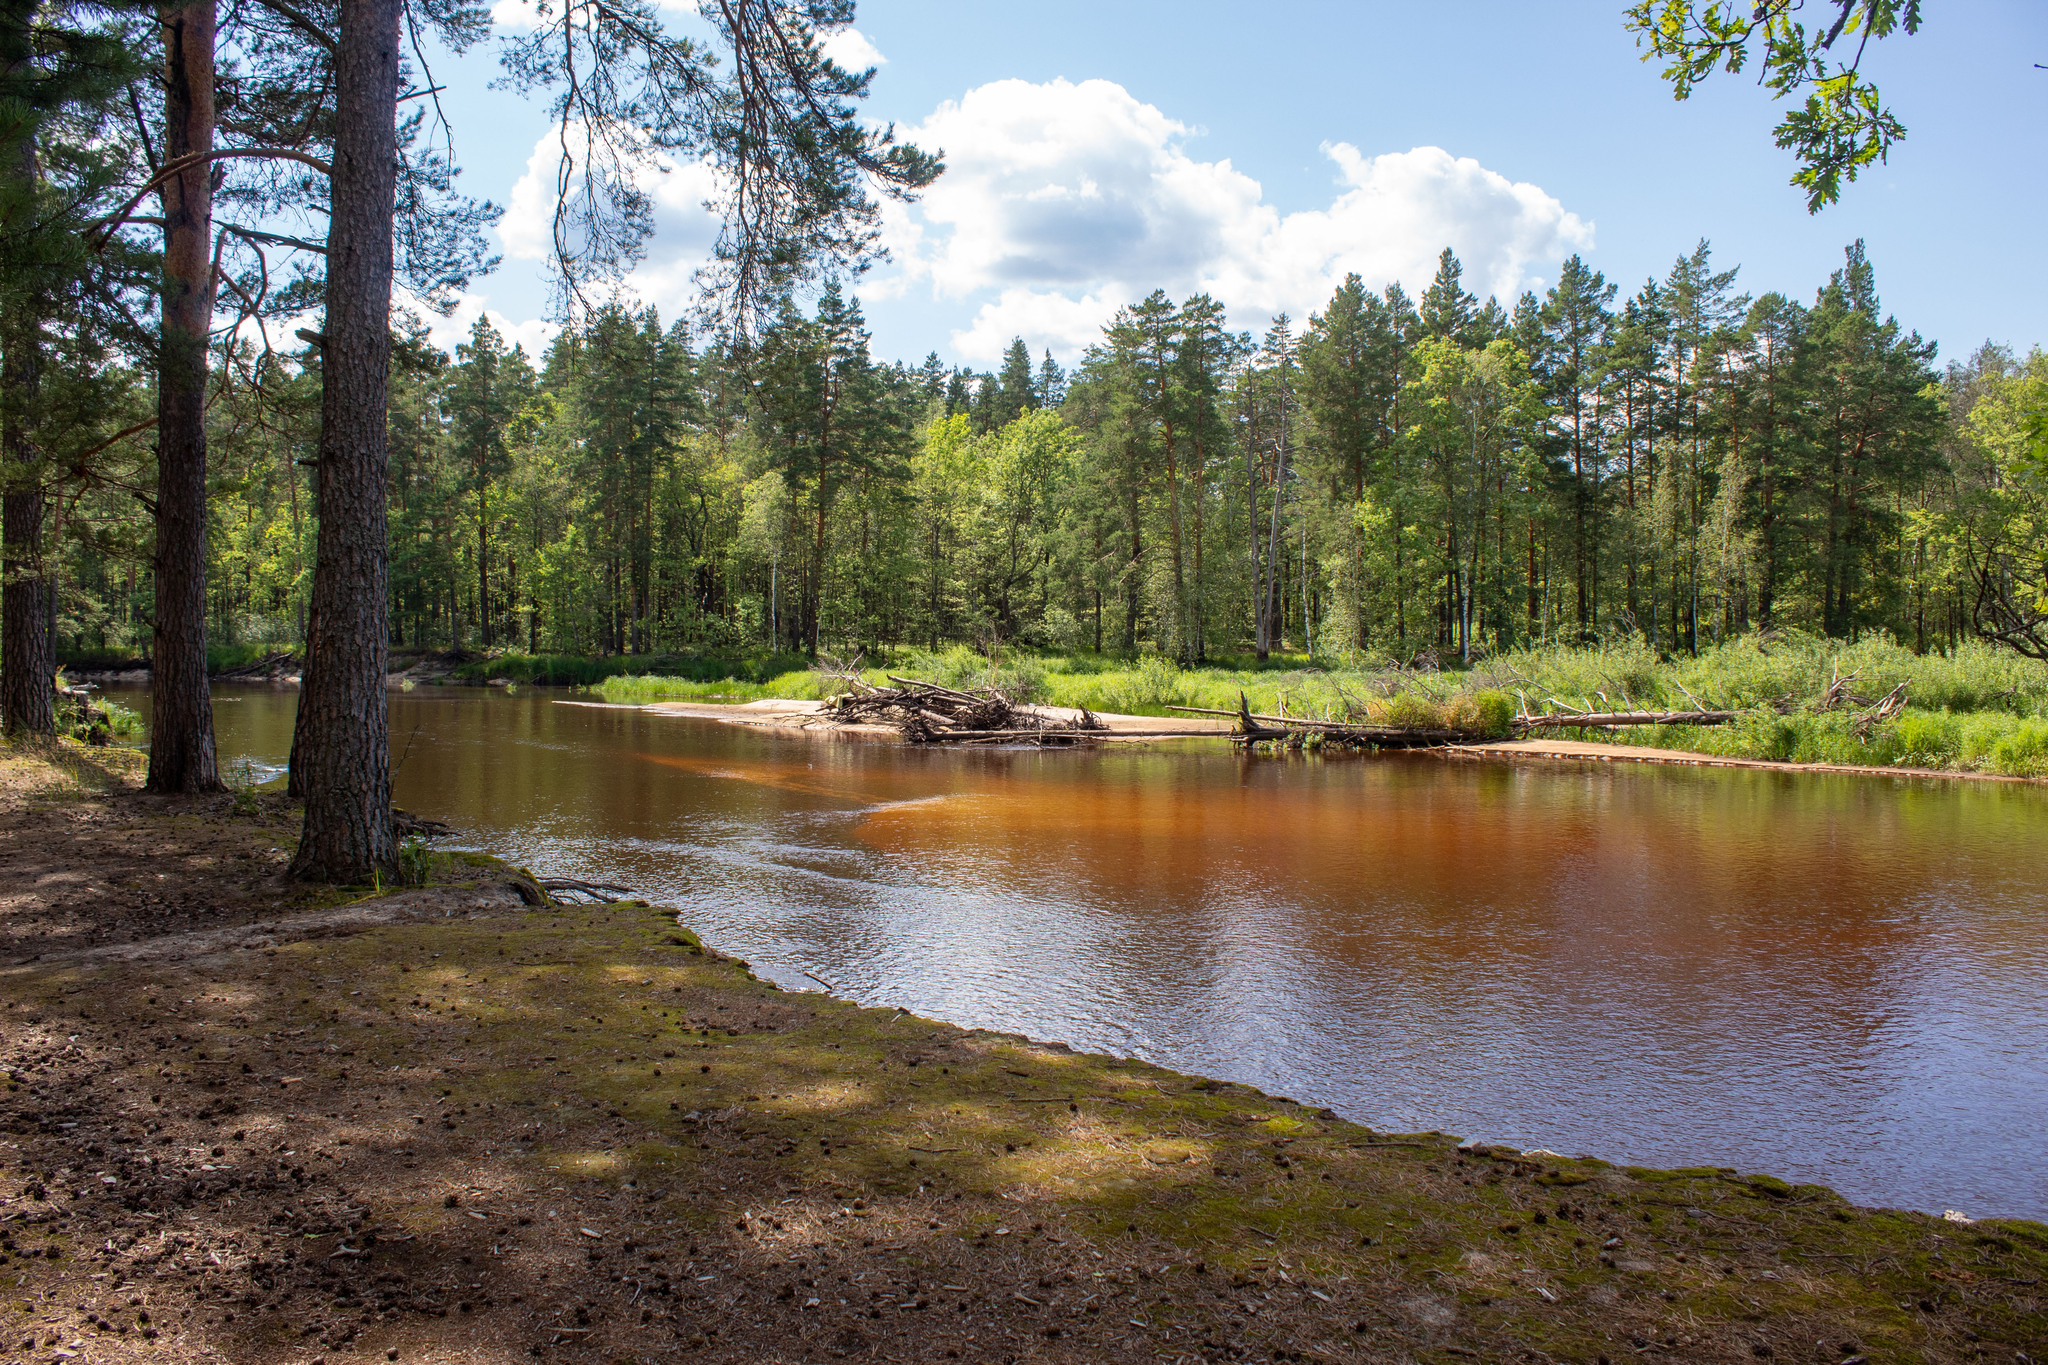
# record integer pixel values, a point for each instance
(603, 893)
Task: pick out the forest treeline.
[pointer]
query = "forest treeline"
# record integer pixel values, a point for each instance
(1396, 476)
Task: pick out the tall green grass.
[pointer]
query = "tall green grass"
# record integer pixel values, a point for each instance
(1976, 708)
(796, 684)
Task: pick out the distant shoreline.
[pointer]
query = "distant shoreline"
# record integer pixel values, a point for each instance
(795, 715)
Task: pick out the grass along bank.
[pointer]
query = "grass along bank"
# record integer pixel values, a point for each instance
(1976, 709)
(580, 1134)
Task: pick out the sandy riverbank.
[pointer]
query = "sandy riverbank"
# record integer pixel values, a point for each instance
(1584, 750)
(251, 1122)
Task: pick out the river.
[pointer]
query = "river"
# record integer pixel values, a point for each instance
(1835, 979)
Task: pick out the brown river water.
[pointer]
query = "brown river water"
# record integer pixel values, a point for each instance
(1835, 979)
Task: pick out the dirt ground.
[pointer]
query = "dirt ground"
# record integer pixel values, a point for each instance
(247, 1122)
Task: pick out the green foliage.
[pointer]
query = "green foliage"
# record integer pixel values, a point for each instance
(1756, 670)
(1487, 715)
(802, 684)
(1843, 126)
(415, 861)
(122, 722)
(2023, 752)
(1974, 708)
(243, 786)
(1146, 690)
(1020, 676)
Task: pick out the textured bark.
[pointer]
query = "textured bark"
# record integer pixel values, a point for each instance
(27, 654)
(30, 658)
(344, 753)
(181, 749)
(294, 782)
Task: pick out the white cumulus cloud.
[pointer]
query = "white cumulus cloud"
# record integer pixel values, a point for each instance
(452, 329)
(1063, 201)
(851, 49)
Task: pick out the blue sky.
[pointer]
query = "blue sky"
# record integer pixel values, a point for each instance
(1100, 150)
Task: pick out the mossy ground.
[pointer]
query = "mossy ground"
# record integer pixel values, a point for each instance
(578, 1134)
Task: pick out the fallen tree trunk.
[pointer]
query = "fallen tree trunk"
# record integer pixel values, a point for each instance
(1610, 720)
(1253, 728)
(261, 668)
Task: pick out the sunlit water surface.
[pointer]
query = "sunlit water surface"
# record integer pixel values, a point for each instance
(1827, 978)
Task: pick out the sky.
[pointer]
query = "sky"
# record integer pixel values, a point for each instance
(1098, 151)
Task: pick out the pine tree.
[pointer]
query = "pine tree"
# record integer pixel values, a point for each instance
(1574, 322)
(341, 756)
(1447, 310)
(1015, 392)
(488, 389)
(1052, 383)
(1876, 417)
(1766, 418)
(1347, 390)
(58, 158)
(832, 423)
(1698, 304)
(932, 378)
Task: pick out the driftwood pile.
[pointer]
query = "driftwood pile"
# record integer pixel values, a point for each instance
(928, 713)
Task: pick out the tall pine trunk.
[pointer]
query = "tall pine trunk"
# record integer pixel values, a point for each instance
(181, 750)
(27, 659)
(344, 758)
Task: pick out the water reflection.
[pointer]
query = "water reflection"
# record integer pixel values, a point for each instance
(1828, 978)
